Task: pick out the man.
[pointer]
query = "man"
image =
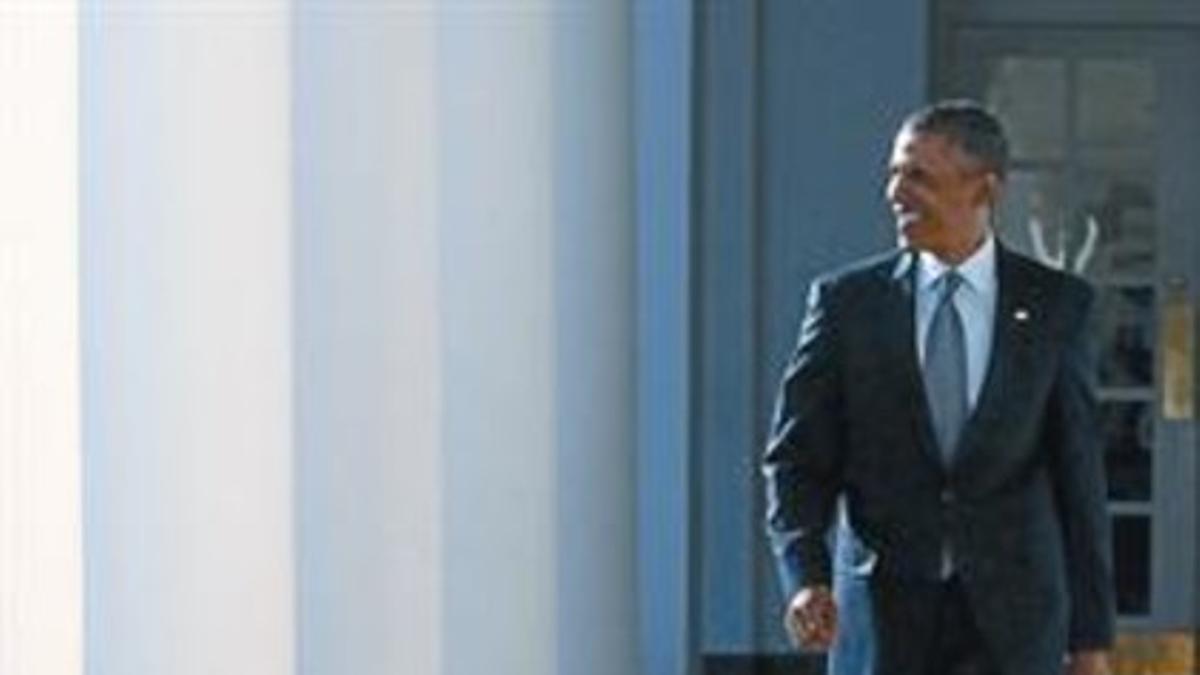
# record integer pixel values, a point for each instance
(941, 399)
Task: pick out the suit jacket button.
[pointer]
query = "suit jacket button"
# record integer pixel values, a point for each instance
(948, 496)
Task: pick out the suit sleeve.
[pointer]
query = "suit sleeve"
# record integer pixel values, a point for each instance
(802, 464)
(1080, 485)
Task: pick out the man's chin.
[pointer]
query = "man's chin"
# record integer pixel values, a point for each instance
(909, 222)
(909, 232)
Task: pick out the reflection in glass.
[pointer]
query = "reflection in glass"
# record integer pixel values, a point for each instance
(1116, 102)
(1030, 217)
(1030, 94)
(1122, 206)
(1128, 442)
(1128, 158)
(1127, 337)
(1110, 235)
(1131, 558)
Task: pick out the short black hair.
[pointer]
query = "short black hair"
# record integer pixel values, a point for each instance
(968, 124)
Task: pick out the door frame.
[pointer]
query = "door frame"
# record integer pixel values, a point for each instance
(1111, 29)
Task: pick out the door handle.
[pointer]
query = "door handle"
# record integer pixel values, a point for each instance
(1178, 338)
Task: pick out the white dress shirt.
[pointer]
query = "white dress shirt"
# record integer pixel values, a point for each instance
(975, 301)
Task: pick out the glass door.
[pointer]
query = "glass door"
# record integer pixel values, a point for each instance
(1105, 183)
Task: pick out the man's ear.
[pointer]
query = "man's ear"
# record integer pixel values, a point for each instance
(993, 188)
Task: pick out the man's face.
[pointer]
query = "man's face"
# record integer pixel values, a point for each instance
(936, 191)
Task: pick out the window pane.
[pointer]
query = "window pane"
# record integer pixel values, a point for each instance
(1127, 337)
(1117, 218)
(1131, 555)
(1031, 216)
(1128, 443)
(1116, 102)
(1030, 94)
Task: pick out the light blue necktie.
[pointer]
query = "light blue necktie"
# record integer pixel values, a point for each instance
(946, 367)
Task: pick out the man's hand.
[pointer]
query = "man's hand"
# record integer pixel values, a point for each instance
(1087, 663)
(811, 619)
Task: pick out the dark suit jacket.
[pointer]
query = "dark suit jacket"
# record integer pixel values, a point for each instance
(1023, 503)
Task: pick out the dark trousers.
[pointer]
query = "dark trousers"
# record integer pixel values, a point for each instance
(927, 628)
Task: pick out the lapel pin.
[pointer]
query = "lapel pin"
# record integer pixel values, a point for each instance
(1021, 314)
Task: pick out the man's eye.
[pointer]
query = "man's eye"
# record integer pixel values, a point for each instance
(908, 173)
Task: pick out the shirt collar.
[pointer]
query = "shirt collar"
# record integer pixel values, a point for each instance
(978, 271)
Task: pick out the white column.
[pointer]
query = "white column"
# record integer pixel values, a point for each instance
(595, 270)
(496, 190)
(464, 317)
(368, 366)
(535, 189)
(41, 572)
(186, 341)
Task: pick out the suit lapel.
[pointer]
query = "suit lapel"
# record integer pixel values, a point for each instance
(1015, 310)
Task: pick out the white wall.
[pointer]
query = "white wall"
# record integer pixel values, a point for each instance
(41, 569)
(186, 339)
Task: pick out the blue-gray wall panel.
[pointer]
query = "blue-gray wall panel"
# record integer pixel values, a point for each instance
(726, 322)
(797, 102)
(838, 78)
(662, 80)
